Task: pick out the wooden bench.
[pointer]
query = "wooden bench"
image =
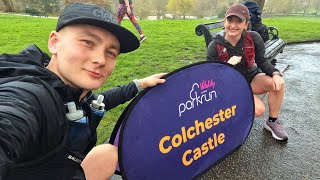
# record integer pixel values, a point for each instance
(273, 46)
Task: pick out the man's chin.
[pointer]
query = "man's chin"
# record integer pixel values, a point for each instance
(91, 87)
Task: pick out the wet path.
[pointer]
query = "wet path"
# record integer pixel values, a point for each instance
(262, 157)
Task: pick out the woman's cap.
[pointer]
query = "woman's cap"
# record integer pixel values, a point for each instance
(238, 10)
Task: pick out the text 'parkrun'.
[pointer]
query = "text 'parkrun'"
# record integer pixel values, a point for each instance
(199, 94)
(186, 134)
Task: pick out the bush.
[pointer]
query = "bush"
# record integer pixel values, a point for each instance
(32, 11)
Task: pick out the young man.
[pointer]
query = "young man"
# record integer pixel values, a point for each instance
(245, 51)
(126, 7)
(48, 112)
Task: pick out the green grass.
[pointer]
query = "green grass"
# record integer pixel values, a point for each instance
(17, 32)
(296, 29)
(171, 44)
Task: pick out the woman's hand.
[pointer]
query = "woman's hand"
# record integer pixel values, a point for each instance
(234, 60)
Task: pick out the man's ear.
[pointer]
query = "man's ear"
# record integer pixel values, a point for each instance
(53, 42)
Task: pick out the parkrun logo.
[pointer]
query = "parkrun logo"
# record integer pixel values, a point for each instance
(104, 15)
(199, 94)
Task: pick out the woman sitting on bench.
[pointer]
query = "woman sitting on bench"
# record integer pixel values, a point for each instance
(245, 50)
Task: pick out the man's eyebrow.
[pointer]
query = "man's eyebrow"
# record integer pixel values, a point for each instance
(88, 33)
(98, 38)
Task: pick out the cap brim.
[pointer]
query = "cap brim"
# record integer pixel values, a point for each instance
(238, 15)
(128, 41)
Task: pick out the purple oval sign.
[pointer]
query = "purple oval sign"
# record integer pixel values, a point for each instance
(180, 129)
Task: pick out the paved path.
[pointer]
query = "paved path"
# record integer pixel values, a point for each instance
(262, 157)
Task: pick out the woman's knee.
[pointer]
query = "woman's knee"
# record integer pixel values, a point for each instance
(259, 110)
(100, 162)
(261, 84)
(111, 151)
(259, 107)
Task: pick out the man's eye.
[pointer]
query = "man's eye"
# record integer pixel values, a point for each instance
(90, 43)
(111, 53)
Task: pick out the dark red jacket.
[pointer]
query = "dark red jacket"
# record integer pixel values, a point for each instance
(250, 62)
(247, 52)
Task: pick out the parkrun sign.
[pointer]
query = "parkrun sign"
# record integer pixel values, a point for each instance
(180, 129)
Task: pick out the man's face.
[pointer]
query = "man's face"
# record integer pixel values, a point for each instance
(234, 25)
(83, 56)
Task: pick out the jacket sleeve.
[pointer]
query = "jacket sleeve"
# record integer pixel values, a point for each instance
(19, 125)
(260, 60)
(119, 95)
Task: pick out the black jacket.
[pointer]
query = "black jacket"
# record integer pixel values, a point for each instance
(34, 131)
(260, 61)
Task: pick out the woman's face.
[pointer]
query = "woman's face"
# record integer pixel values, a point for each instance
(234, 26)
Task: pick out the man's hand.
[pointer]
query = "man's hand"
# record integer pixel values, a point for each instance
(151, 80)
(234, 60)
(278, 82)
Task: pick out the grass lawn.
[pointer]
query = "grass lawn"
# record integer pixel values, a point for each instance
(171, 44)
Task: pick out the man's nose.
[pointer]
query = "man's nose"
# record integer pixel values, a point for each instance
(99, 59)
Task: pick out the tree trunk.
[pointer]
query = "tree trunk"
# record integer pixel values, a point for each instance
(9, 5)
(260, 3)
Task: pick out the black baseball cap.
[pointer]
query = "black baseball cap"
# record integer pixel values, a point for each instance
(83, 13)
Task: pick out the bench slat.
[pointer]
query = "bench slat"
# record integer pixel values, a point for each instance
(273, 48)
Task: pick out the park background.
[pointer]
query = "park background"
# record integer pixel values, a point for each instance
(172, 42)
(170, 9)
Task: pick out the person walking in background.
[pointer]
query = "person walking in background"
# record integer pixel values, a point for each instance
(126, 7)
